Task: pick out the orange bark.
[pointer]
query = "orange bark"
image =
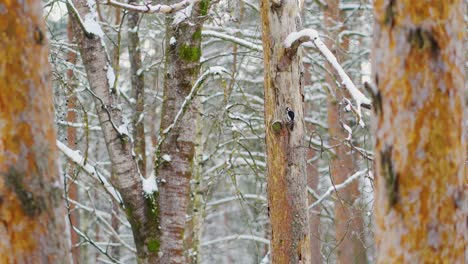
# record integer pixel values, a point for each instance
(286, 166)
(31, 214)
(420, 148)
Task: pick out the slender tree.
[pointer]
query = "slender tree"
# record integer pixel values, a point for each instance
(348, 222)
(72, 188)
(418, 72)
(286, 164)
(31, 212)
(138, 87)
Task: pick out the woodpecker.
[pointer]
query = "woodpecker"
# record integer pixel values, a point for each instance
(290, 114)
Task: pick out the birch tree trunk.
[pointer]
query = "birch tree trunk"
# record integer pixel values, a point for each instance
(141, 210)
(420, 207)
(32, 216)
(286, 164)
(177, 148)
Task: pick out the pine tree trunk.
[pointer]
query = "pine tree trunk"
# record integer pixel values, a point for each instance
(32, 221)
(286, 165)
(418, 68)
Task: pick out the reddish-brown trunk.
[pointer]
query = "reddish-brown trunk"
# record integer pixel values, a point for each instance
(348, 220)
(71, 139)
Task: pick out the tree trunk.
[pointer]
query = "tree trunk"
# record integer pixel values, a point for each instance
(348, 221)
(177, 148)
(418, 68)
(71, 140)
(31, 211)
(138, 87)
(141, 210)
(286, 164)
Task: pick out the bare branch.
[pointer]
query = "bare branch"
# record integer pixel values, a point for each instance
(90, 168)
(295, 39)
(148, 8)
(339, 187)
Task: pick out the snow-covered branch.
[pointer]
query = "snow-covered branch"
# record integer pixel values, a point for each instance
(238, 197)
(338, 187)
(295, 39)
(216, 70)
(89, 25)
(149, 8)
(237, 237)
(90, 168)
(238, 41)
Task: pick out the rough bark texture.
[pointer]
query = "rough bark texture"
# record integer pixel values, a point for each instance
(420, 208)
(181, 71)
(348, 221)
(287, 182)
(138, 87)
(31, 210)
(141, 211)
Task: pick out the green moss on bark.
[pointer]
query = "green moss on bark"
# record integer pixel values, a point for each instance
(190, 53)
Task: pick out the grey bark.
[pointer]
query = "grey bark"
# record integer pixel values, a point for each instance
(140, 210)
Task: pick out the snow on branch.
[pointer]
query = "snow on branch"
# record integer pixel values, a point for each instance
(149, 8)
(90, 168)
(216, 70)
(89, 25)
(239, 41)
(236, 237)
(338, 187)
(295, 39)
(238, 197)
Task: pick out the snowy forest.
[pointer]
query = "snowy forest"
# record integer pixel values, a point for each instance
(242, 131)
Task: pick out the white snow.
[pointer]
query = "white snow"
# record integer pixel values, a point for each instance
(348, 129)
(217, 70)
(149, 185)
(182, 15)
(90, 169)
(239, 41)
(123, 130)
(166, 157)
(291, 38)
(92, 26)
(313, 36)
(172, 41)
(110, 76)
(140, 71)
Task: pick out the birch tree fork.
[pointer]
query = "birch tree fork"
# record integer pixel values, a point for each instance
(32, 221)
(420, 208)
(286, 164)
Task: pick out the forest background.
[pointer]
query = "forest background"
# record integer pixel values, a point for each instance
(165, 114)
